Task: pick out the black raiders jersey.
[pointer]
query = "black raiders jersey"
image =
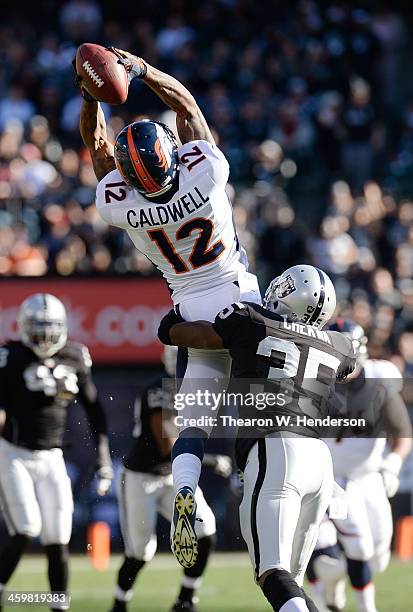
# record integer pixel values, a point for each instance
(375, 396)
(145, 454)
(298, 361)
(35, 394)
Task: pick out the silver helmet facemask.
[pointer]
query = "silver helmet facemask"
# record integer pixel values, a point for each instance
(43, 324)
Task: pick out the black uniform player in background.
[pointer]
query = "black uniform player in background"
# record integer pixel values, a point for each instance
(40, 375)
(367, 462)
(288, 475)
(146, 489)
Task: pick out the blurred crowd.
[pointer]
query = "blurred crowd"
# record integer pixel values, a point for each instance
(311, 102)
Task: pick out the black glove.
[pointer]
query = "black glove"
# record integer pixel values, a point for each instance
(79, 81)
(165, 326)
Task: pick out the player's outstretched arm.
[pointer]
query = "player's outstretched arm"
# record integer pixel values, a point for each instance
(94, 135)
(190, 122)
(96, 416)
(194, 334)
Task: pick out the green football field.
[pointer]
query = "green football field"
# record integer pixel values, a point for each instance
(228, 586)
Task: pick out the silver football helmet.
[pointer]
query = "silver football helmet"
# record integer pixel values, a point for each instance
(303, 293)
(42, 324)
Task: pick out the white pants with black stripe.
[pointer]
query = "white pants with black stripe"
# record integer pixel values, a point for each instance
(141, 497)
(288, 485)
(35, 493)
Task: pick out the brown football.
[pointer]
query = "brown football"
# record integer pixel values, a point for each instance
(103, 76)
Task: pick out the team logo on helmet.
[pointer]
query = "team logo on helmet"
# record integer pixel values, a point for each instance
(163, 162)
(285, 287)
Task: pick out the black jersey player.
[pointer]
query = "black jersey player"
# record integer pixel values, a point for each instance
(288, 476)
(146, 489)
(40, 375)
(368, 466)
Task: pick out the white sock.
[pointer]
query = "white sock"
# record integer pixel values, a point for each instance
(332, 572)
(191, 583)
(316, 591)
(296, 604)
(365, 598)
(186, 470)
(121, 595)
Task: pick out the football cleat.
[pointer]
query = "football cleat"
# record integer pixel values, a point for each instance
(119, 606)
(184, 606)
(184, 542)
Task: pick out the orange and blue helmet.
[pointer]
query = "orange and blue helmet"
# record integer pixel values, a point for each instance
(146, 155)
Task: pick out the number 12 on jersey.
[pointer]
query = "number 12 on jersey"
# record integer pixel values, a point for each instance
(202, 252)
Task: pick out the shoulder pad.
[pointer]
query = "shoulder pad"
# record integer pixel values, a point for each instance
(381, 368)
(199, 155)
(341, 343)
(112, 196)
(237, 308)
(384, 370)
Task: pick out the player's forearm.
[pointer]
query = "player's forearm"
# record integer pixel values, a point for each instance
(199, 334)
(103, 451)
(190, 122)
(94, 135)
(401, 446)
(172, 92)
(195, 334)
(92, 124)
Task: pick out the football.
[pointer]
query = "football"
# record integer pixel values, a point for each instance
(103, 76)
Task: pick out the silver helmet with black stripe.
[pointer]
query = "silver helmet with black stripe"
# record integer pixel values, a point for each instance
(303, 293)
(42, 324)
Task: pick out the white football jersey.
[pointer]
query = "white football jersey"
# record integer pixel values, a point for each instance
(191, 238)
(354, 457)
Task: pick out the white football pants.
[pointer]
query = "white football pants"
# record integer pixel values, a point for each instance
(288, 485)
(212, 365)
(141, 498)
(35, 493)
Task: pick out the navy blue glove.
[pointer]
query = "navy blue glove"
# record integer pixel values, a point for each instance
(165, 326)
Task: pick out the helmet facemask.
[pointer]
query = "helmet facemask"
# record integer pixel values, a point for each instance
(43, 324)
(45, 338)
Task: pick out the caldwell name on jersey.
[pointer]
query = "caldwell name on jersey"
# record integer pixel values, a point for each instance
(36, 392)
(190, 238)
(265, 345)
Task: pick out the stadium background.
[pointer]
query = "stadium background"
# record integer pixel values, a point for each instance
(312, 103)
